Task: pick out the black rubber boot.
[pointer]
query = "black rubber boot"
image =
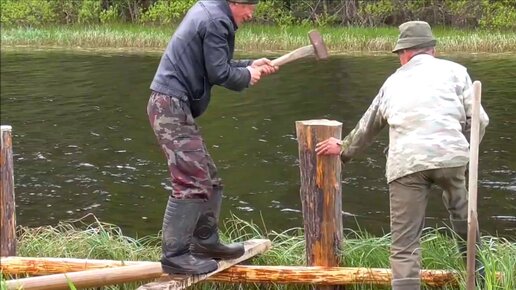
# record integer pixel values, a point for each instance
(181, 216)
(461, 228)
(206, 242)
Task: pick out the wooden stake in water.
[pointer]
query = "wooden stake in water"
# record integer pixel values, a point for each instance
(7, 205)
(472, 187)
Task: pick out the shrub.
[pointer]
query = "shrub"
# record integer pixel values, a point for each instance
(89, 12)
(27, 12)
(166, 11)
(110, 15)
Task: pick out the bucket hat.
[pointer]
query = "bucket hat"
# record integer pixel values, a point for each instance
(414, 34)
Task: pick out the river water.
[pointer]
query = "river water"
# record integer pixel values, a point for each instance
(82, 142)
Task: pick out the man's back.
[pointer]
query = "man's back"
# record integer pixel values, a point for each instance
(426, 104)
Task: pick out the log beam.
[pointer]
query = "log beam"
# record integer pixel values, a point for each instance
(40, 266)
(238, 273)
(326, 275)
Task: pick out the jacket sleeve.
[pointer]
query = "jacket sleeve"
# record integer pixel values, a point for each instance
(216, 53)
(371, 123)
(241, 63)
(468, 108)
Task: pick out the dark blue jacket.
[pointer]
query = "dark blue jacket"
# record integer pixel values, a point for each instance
(199, 56)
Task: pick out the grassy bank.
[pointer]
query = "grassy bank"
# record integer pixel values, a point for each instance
(251, 38)
(105, 241)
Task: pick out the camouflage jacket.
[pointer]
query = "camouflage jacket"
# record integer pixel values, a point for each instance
(427, 104)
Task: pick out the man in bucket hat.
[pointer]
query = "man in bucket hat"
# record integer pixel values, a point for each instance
(427, 105)
(199, 56)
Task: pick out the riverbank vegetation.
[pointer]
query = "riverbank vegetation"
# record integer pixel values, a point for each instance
(499, 14)
(105, 241)
(253, 38)
(280, 25)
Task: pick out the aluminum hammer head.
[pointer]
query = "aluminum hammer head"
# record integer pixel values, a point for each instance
(320, 50)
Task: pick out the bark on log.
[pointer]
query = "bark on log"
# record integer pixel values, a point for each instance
(48, 266)
(326, 275)
(89, 278)
(321, 195)
(246, 274)
(7, 204)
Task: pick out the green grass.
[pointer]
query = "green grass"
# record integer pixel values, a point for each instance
(252, 38)
(99, 240)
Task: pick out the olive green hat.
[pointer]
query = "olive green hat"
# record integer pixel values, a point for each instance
(245, 1)
(414, 34)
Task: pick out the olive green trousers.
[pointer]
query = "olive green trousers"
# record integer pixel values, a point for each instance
(408, 200)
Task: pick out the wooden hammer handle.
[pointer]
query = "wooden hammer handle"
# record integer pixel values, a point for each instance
(293, 55)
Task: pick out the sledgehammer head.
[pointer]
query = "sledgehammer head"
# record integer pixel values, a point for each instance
(320, 50)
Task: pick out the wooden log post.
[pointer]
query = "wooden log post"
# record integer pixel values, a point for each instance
(7, 205)
(320, 194)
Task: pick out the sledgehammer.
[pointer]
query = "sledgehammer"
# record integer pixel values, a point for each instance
(317, 48)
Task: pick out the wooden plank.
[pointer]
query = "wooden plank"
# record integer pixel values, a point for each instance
(7, 201)
(175, 282)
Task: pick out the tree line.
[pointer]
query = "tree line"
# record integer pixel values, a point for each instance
(494, 14)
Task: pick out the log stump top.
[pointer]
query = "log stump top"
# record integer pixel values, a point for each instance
(319, 122)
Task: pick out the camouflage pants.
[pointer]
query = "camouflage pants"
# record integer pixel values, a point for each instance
(192, 170)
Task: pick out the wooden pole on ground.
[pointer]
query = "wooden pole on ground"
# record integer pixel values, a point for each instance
(328, 276)
(7, 204)
(320, 194)
(472, 187)
(235, 274)
(47, 266)
(89, 278)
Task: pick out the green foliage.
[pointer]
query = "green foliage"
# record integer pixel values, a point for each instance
(166, 11)
(274, 12)
(89, 12)
(372, 13)
(27, 12)
(110, 15)
(500, 15)
(66, 10)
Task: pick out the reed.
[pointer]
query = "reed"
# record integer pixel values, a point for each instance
(86, 239)
(251, 38)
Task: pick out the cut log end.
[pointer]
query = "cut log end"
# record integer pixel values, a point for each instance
(319, 122)
(6, 128)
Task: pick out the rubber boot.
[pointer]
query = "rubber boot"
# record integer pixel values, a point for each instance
(181, 216)
(406, 284)
(206, 241)
(461, 228)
